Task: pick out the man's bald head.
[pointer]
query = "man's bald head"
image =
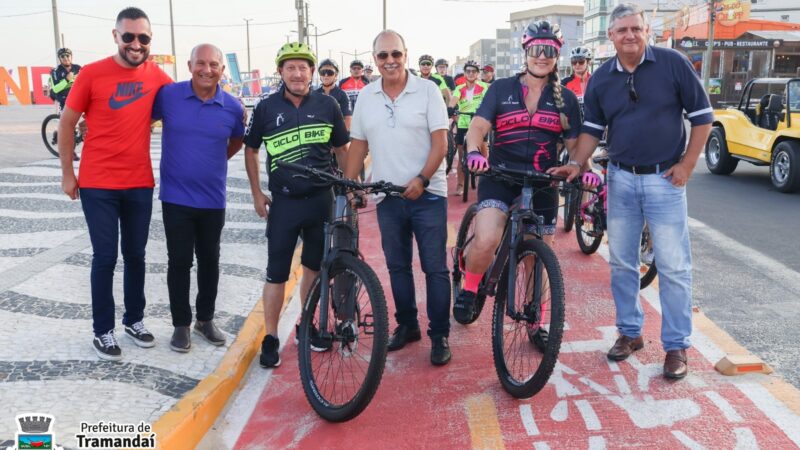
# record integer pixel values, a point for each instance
(213, 47)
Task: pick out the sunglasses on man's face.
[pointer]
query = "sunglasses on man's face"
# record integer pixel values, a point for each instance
(396, 54)
(535, 50)
(327, 72)
(472, 71)
(425, 64)
(127, 38)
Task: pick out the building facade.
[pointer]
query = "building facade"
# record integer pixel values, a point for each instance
(502, 58)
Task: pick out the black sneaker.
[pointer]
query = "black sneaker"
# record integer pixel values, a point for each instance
(107, 347)
(318, 344)
(539, 337)
(140, 336)
(464, 307)
(269, 352)
(440, 351)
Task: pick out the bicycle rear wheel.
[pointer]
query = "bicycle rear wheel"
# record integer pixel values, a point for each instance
(465, 232)
(467, 179)
(524, 368)
(588, 232)
(571, 200)
(451, 152)
(340, 382)
(50, 133)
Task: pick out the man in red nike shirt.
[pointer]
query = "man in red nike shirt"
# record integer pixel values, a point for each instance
(115, 184)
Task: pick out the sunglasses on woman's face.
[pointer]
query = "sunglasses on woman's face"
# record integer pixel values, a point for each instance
(578, 62)
(327, 72)
(127, 38)
(535, 50)
(396, 54)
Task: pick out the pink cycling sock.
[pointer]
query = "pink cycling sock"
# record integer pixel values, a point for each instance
(472, 281)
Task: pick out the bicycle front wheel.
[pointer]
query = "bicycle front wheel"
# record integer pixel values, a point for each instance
(341, 366)
(451, 152)
(647, 265)
(571, 200)
(525, 349)
(50, 133)
(465, 233)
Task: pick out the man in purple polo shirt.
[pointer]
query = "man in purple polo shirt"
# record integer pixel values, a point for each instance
(203, 128)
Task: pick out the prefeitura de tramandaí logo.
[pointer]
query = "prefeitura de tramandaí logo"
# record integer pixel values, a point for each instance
(35, 431)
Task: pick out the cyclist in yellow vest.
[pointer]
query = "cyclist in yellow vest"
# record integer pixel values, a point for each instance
(467, 97)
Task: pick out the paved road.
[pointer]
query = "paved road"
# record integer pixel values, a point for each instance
(20, 134)
(746, 250)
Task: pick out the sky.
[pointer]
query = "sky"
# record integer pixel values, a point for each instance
(442, 28)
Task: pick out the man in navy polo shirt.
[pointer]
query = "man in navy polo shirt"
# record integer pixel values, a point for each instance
(203, 128)
(640, 96)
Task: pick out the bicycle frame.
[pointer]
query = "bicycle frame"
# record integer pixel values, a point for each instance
(513, 236)
(333, 247)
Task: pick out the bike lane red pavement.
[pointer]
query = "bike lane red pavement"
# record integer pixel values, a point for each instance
(589, 403)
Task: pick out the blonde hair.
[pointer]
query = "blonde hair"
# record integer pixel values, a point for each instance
(556, 82)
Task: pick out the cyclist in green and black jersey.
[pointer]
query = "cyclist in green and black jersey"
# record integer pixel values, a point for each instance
(62, 77)
(300, 126)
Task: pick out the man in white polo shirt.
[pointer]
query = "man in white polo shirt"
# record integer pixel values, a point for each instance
(403, 121)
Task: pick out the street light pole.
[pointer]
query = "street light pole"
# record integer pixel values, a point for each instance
(710, 45)
(247, 25)
(172, 35)
(55, 26)
(384, 14)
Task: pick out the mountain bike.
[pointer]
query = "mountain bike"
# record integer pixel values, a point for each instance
(525, 279)
(345, 313)
(50, 133)
(591, 224)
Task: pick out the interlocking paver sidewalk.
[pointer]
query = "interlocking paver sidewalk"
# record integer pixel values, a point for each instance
(47, 364)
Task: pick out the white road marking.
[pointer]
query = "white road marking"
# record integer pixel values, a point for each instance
(560, 412)
(597, 443)
(727, 410)
(526, 414)
(589, 416)
(687, 441)
(622, 385)
(745, 439)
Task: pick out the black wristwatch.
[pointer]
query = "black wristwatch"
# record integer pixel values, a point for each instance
(425, 180)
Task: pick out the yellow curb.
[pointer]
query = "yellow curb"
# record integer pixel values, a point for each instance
(185, 424)
(779, 388)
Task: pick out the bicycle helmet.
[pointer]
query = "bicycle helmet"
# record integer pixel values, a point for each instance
(356, 62)
(295, 50)
(581, 52)
(64, 51)
(472, 63)
(329, 62)
(441, 62)
(542, 30)
(427, 58)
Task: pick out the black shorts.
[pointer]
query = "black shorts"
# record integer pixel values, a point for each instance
(290, 218)
(461, 136)
(501, 195)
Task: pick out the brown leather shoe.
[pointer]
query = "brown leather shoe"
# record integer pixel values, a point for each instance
(624, 347)
(676, 364)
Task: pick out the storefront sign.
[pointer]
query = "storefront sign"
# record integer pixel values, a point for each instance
(689, 43)
(730, 12)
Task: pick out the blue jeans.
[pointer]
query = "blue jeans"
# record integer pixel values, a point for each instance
(632, 199)
(426, 219)
(109, 214)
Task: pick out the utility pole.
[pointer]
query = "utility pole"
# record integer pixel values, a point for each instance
(172, 35)
(384, 14)
(710, 43)
(306, 29)
(247, 26)
(300, 20)
(56, 33)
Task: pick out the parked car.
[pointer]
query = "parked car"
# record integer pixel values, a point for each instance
(764, 129)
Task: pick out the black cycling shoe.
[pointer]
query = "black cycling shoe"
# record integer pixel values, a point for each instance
(464, 307)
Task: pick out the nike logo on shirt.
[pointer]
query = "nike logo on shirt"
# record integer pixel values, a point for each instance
(127, 93)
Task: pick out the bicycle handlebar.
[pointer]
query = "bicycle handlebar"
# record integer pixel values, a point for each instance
(520, 176)
(333, 180)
